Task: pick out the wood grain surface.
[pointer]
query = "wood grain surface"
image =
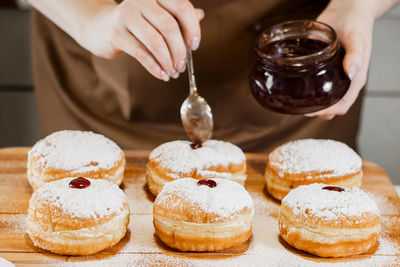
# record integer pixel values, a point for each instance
(140, 247)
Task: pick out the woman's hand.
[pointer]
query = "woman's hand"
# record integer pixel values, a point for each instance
(153, 32)
(353, 23)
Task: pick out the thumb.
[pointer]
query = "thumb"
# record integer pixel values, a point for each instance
(354, 45)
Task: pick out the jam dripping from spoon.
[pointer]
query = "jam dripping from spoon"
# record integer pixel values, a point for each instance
(196, 145)
(79, 183)
(333, 188)
(208, 182)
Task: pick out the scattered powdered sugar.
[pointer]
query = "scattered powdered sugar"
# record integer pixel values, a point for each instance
(14, 225)
(384, 205)
(224, 200)
(142, 232)
(5, 263)
(76, 151)
(331, 157)
(312, 199)
(178, 156)
(100, 199)
(387, 246)
(162, 260)
(137, 260)
(265, 206)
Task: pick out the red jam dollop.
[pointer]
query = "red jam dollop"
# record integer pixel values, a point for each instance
(79, 183)
(208, 182)
(196, 145)
(333, 188)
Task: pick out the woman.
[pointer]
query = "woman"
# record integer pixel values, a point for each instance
(104, 67)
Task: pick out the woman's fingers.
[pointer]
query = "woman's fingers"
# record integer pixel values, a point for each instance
(354, 44)
(160, 32)
(187, 17)
(154, 42)
(199, 13)
(326, 117)
(343, 105)
(169, 29)
(133, 47)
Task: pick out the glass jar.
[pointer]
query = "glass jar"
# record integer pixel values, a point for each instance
(298, 68)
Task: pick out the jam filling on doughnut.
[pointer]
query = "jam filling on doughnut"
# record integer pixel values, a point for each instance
(79, 183)
(208, 182)
(333, 188)
(196, 145)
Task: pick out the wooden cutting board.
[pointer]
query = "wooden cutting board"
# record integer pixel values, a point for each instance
(140, 247)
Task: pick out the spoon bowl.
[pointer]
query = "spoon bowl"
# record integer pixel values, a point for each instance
(197, 118)
(196, 114)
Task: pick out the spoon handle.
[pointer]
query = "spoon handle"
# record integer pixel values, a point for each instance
(192, 81)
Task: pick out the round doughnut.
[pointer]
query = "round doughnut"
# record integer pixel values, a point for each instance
(329, 221)
(77, 216)
(203, 215)
(72, 154)
(180, 159)
(309, 161)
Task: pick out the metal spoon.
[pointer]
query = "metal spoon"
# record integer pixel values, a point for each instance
(196, 114)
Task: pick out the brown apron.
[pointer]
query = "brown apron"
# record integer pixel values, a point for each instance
(118, 98)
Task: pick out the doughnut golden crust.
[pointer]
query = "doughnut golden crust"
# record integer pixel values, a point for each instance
(279, 187)
(75, 221)
(329, 223)
(192, 217)
(177, 159)
(311, 161)
(73, 154)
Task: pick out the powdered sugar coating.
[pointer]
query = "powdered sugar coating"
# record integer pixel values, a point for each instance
(224, 200)
(178, 156)
(5, 263)
(98, 200)
(76, 151)
(332, 158)
(330, 205)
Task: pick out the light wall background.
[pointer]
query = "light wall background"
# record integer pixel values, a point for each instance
(380, 126)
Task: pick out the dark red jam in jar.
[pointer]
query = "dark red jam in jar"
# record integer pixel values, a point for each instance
(79, 183)
(299, 68)
(208, 182)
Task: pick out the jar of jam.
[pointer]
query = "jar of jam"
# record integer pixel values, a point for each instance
(298, 68)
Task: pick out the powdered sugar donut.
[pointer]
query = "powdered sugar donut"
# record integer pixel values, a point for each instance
(77, 216)
(72, 154)
(203, 215)
(309, 161)
(180, 159)
(329, 221)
